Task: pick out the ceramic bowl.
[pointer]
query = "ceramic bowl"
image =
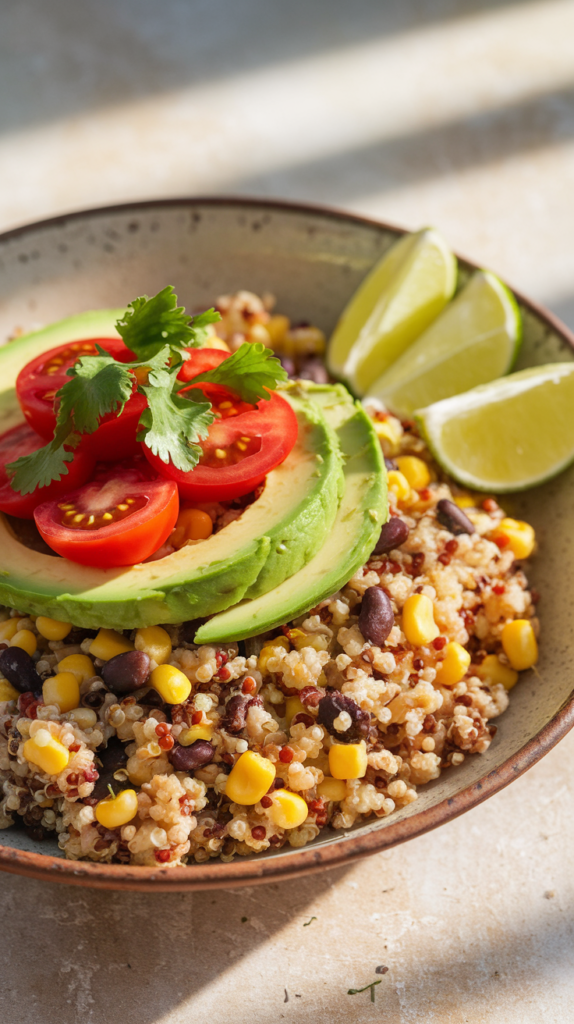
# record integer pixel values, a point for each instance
(312, 259)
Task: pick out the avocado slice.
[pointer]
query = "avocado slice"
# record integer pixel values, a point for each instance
(273, 538)
(357, 526)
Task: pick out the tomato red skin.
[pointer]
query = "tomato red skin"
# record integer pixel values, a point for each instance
(22, 440)
(126, 542)
(115, 438)
(273, 421)
(200, 361)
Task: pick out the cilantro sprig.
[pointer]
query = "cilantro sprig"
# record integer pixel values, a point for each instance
(158, 332)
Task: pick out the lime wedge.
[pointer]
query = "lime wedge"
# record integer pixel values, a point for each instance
(474, 340)
(508, 435)
(400, 297)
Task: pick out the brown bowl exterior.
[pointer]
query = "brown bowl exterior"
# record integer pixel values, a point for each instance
(312, 259)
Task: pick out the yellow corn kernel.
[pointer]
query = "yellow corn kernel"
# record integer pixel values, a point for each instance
(7, 691)
(52, 629)
(8, 629)
(277, 327)
(171, 684)
(108, 643)
(214, 341)
(419, 625)
(45, 751)
(390, 432)
(265, 656)
(519, 535)
(348, 760)
(332, 789)
(464, 501)
(192, 524)
(318, 641)
(115, 811)
(195, 732)
(493, 671)
(277, 641)
(453, 666)
(62, 689)
(293, 706)
(85, 718)
(399, 485)
(79, 664)
(415, 470)
(288, 810)
(519, 644)
(25, 639)
(306, 341)
(154, 641)
(250, 778)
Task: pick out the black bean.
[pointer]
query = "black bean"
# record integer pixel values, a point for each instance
(314, 369)
(126, 672)
(108, 761)
(331, 706)
(376, 618)
(185, 759)
(453, 518)
(235, 713)
(19, 669)
(393, 534)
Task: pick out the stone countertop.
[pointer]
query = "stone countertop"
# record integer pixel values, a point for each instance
(453, 112)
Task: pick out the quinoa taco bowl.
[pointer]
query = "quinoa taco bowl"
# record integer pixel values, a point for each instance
(303, 640)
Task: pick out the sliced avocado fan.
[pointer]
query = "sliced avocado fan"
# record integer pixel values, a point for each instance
(357, 526)
(273, 538)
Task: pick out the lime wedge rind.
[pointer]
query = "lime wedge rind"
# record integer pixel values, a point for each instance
(474, 340)
(510, 435)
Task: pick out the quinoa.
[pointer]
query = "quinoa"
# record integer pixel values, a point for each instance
(242, 693)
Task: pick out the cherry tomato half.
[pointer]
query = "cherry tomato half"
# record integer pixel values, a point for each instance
(244, 444)
(22, 440)
(117, 519)
(200, 361)
(38, 382)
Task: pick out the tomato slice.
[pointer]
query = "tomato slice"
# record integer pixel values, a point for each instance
(22, 440)
(38, 382)
(119, 518)
(200, 361)
(244, 444)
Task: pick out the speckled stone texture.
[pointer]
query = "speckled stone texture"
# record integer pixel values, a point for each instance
(453, 112)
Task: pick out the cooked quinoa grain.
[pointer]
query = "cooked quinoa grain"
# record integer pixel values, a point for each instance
(398, 677)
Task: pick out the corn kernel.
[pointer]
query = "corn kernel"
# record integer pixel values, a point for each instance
(79, 664)
(25, 639)
(7, 691)
(306, 341)
(390, 432)
(45, 751)
(399, 485)
(519, 535)
(277, 641)
(171, 684)
(332, 789)
(464, 501)
(8, 629)
(348, 760)
(493, 671)
(250, 778)
(318, 641)
(453, 667)
(192, 524)
(195, 732)
(415, 470)
(85, 718)
(419, 625)
(62, 689)
(154, 641)
(115, 811)
(519, 644)
(108, 643)
(265, 656)
(288, 810)
(214, 341)
(52, 629)
(277, 327)
(293, 706)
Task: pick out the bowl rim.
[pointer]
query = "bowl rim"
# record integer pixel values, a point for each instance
(347, 847)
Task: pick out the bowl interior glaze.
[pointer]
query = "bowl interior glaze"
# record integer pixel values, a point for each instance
(311, 260)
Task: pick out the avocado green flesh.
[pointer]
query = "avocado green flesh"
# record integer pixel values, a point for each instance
(355, 531)
(273, 537)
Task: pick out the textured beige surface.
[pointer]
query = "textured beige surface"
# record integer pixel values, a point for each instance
(456, 113)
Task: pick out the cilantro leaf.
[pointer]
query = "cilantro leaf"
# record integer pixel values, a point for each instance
(40, 468)
(252, 371)
(149, 324)
(98, 386)
(171, 426)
